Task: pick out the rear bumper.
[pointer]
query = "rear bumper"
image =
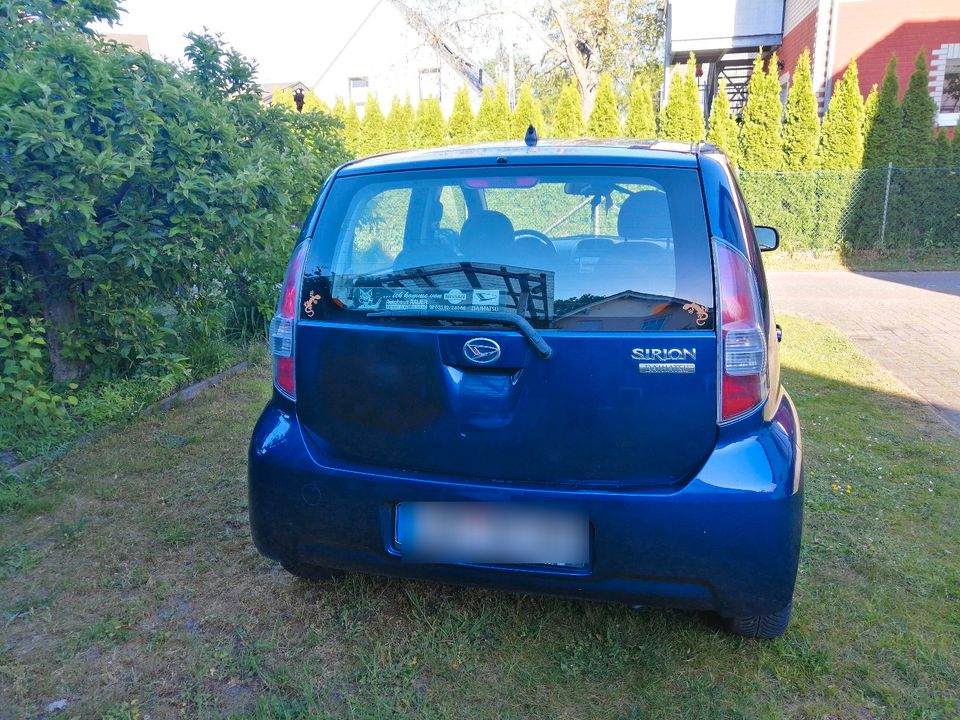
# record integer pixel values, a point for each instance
(728, 540)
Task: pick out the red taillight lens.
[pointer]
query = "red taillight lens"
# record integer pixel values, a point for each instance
(283, 324)
(743, 353)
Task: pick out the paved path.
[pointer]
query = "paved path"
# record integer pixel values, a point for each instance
(909, 322)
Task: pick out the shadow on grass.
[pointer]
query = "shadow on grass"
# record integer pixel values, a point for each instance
(138, 587)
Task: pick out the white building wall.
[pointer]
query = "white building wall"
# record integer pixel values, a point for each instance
(721, 24)
(795, 11)
(392, 56)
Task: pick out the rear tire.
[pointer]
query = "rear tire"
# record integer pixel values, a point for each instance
(771, 625)
(312, 573)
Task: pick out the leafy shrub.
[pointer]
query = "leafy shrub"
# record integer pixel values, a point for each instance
(145, 207)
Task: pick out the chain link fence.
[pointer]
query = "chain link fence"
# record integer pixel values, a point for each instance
(840, 210)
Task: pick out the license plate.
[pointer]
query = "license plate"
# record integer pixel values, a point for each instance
(492, 534)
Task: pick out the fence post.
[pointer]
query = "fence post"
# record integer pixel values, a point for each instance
(886, 201)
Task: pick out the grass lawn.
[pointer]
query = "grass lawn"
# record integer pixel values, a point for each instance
(864, 260)
(129, 588)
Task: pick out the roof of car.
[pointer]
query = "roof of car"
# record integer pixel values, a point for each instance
(546, 152)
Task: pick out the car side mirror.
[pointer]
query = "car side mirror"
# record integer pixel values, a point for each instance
(767, 237)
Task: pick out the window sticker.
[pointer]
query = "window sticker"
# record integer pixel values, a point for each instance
(699, 310)
(310, 302)
(371, 299)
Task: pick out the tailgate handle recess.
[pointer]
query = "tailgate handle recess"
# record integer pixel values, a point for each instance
(493, 318)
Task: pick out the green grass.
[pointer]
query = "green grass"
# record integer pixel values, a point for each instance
(129, 587)
(864, 260)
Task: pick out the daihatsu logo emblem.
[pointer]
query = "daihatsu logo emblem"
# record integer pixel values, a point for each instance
(481, 350)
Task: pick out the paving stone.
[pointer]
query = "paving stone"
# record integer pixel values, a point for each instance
(909, 322)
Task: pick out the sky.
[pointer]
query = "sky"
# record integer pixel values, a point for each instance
(289, 40)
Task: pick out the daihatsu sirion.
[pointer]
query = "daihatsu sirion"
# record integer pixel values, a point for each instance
(548, 369)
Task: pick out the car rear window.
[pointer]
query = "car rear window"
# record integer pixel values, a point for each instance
(568, 248)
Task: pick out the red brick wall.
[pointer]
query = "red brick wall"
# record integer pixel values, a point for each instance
(800, 36)
(873, 30)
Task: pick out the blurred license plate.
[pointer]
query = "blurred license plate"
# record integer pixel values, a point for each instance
(491, 533)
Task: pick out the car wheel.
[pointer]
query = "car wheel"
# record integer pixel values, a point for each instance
(771, 625)
(312, 573)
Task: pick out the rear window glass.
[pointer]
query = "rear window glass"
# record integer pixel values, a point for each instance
(568, 248)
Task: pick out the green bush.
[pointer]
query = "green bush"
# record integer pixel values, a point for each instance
(641, 118)
(761, 141)
(527, 113)
(604, 121)
(430, 128)
(461, 127)
(682, 118)
(568, 119)
(723, 128)
(144, 207)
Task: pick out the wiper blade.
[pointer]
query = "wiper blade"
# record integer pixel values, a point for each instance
(494, 317)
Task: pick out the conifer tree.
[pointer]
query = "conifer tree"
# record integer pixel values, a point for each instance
(372, 128)
(917, 143)
(568, 120)
(956, 143)
(430, 130)
(944, 150)
(641, 120)
(682, 118)
(339, 109)
(528, 112)
(399, 125)
(604, 119)
(801, 131)
(881, 145)
(493, 118)
(870, 109)
(352, 130)
(461, 127)
(723, 127)
(761, 139)
(841, 139)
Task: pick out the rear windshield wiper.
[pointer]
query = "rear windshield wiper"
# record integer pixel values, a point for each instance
(496, 318)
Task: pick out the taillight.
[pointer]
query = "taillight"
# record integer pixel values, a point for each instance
(743, 353)
(283, 324)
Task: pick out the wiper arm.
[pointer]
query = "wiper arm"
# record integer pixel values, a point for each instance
(497, 317)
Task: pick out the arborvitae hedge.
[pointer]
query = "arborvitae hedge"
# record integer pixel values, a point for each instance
(682, 118)
(568, 121)
(527, 112)
(641, 119)
(870, 108)
(461, 127)
(723, 127)
(801, 131)
(399, 125)
(430, 128)
(841, 139)
(944, 150)
(493, 118)
(352, 129)
(881, 144)
(916, 146)
(760, 132)
(956, 143)
(372, 128)
(604, 119)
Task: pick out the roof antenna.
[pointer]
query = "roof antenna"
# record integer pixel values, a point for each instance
(531, 138)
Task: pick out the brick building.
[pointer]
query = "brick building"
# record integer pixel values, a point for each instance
(725, 35)
(873, 31)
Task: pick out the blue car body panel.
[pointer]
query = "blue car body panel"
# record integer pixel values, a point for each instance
(707, 517)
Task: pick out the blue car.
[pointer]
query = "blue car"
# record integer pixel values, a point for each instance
(540, 367)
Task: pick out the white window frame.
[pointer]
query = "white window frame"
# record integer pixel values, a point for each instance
(359, 103)
(937, 80)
